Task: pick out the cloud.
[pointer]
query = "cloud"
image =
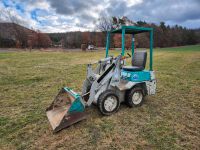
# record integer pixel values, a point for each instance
(71, 15)
(174, 12)
(87, 10)
(169, 10)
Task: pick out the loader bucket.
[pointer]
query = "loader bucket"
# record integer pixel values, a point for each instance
(66, 109)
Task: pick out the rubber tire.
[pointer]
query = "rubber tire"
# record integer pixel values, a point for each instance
(101, 100)
(129, 101)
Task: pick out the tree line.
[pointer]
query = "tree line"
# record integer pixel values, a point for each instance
(168, 36)
(164, 35)
(14, 34)
(75, 39)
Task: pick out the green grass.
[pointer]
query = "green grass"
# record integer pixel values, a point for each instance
(168, 120)
(182, 48)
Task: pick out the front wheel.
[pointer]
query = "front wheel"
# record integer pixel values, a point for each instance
(135, 97)
(108, 102)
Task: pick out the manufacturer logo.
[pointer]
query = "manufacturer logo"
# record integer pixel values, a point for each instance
(135, 77)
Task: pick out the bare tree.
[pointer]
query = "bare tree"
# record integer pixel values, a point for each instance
(104, 23)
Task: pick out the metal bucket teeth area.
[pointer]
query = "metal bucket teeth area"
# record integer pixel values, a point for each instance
(55, 116)
(65, 110)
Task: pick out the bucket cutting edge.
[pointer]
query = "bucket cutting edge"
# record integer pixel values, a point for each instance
(66, 109)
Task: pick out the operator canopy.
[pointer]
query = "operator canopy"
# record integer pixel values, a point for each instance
(132, 29)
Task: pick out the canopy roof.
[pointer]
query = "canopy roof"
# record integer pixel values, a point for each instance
(132, 29)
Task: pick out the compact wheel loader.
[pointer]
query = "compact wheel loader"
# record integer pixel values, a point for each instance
(108, 85)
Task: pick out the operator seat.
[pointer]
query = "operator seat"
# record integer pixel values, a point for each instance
(138, 62)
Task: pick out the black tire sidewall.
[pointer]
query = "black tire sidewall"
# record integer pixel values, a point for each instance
(103, 96)
(130, 95)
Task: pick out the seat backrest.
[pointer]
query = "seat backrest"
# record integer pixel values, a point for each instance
(139, 59)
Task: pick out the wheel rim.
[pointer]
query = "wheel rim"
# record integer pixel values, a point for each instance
(110, 103)
(137, 97)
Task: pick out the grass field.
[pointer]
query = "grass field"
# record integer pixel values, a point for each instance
(169, 120)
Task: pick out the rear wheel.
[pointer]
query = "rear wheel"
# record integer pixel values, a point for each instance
(135, 97)
(108, 102)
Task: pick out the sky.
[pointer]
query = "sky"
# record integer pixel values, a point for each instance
(82, 15)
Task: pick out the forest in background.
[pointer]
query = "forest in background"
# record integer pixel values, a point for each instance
(14, 35)
(164, 36)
